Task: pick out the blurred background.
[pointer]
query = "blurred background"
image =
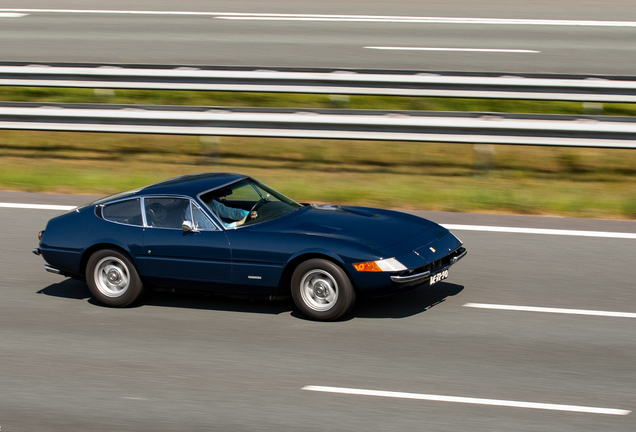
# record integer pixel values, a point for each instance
(570, 41)
(549, 228)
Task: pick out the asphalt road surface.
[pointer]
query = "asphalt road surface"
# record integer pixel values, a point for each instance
(190, 362)
(575, 36)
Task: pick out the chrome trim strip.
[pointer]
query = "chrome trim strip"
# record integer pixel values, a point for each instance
(144, 220)
(411, 278)
(37, 251)
(458, 257)
(50, 269)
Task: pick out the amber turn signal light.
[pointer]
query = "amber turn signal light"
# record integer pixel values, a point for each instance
(370, 266)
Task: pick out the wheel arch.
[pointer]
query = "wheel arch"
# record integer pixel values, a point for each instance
(284, 286)
(100, 246)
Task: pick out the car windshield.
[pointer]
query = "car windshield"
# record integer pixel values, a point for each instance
(247, 202)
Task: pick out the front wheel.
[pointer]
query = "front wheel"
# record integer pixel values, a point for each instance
(322, 290)
(112, 278)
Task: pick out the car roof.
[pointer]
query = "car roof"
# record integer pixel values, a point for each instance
(190, 184)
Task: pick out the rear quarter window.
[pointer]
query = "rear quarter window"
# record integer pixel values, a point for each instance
(126, 212)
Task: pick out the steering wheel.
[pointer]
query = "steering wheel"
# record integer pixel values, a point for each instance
(258, 203)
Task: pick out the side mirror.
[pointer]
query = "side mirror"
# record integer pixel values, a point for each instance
(187, 226)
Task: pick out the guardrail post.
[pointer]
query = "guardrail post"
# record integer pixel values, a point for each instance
(104, 92)
(484, 157)
(339, 101)
(593, 108)
(210, 147)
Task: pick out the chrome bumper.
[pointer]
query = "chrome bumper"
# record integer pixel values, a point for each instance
(411, 278)
(427, 274)
(50, 269)
(458, 257)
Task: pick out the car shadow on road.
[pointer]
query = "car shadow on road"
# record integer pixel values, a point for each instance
(406, 304)
(395, 306)
(219, 302)
(68, 288)
(78, 290)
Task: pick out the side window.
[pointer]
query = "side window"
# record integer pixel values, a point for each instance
(126, 212)
(167, 212)
(201, 221)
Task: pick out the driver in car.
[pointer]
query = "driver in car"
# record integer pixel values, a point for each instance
(235, 214)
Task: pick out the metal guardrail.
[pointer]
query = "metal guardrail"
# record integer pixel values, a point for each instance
(580, 88)
(524, 129)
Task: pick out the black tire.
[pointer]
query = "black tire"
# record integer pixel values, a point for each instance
(113, 279)
(321, 290)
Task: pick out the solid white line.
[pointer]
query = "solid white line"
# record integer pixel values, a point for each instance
(37, 206)
(12, 15)
(349, 18)
(468, 400)
(552, 310)
(497, 50)
(423, 20)
(602, 234)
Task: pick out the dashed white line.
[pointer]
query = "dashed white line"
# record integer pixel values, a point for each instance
(493, 50)
(552, 310)
(468, 400)
(12, 15)
(37, 206)
(515, 230)
(339, 18)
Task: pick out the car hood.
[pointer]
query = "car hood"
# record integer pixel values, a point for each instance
(375, 228)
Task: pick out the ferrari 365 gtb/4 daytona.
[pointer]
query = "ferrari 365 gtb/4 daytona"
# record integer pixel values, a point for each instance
(230, 233)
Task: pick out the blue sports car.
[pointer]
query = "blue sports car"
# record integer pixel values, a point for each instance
(230, 233)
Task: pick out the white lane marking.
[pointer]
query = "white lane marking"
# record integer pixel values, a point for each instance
(552, 310)
(12, 15)
(576, 233)
(496, 50)
(37, 206)
(468, 400)
(423, 20)
(360, 18)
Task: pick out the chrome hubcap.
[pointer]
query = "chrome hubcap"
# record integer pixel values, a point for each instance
(319, 290)
(112, 277)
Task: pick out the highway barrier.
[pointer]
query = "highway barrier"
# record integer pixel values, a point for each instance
(581, 88)
(474, 128)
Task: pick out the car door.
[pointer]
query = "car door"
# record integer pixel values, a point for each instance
(258, 259)
(176, 256)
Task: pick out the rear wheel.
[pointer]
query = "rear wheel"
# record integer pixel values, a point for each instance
(112, 278)
(322, 290)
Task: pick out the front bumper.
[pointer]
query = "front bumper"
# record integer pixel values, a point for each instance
(420, 274)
